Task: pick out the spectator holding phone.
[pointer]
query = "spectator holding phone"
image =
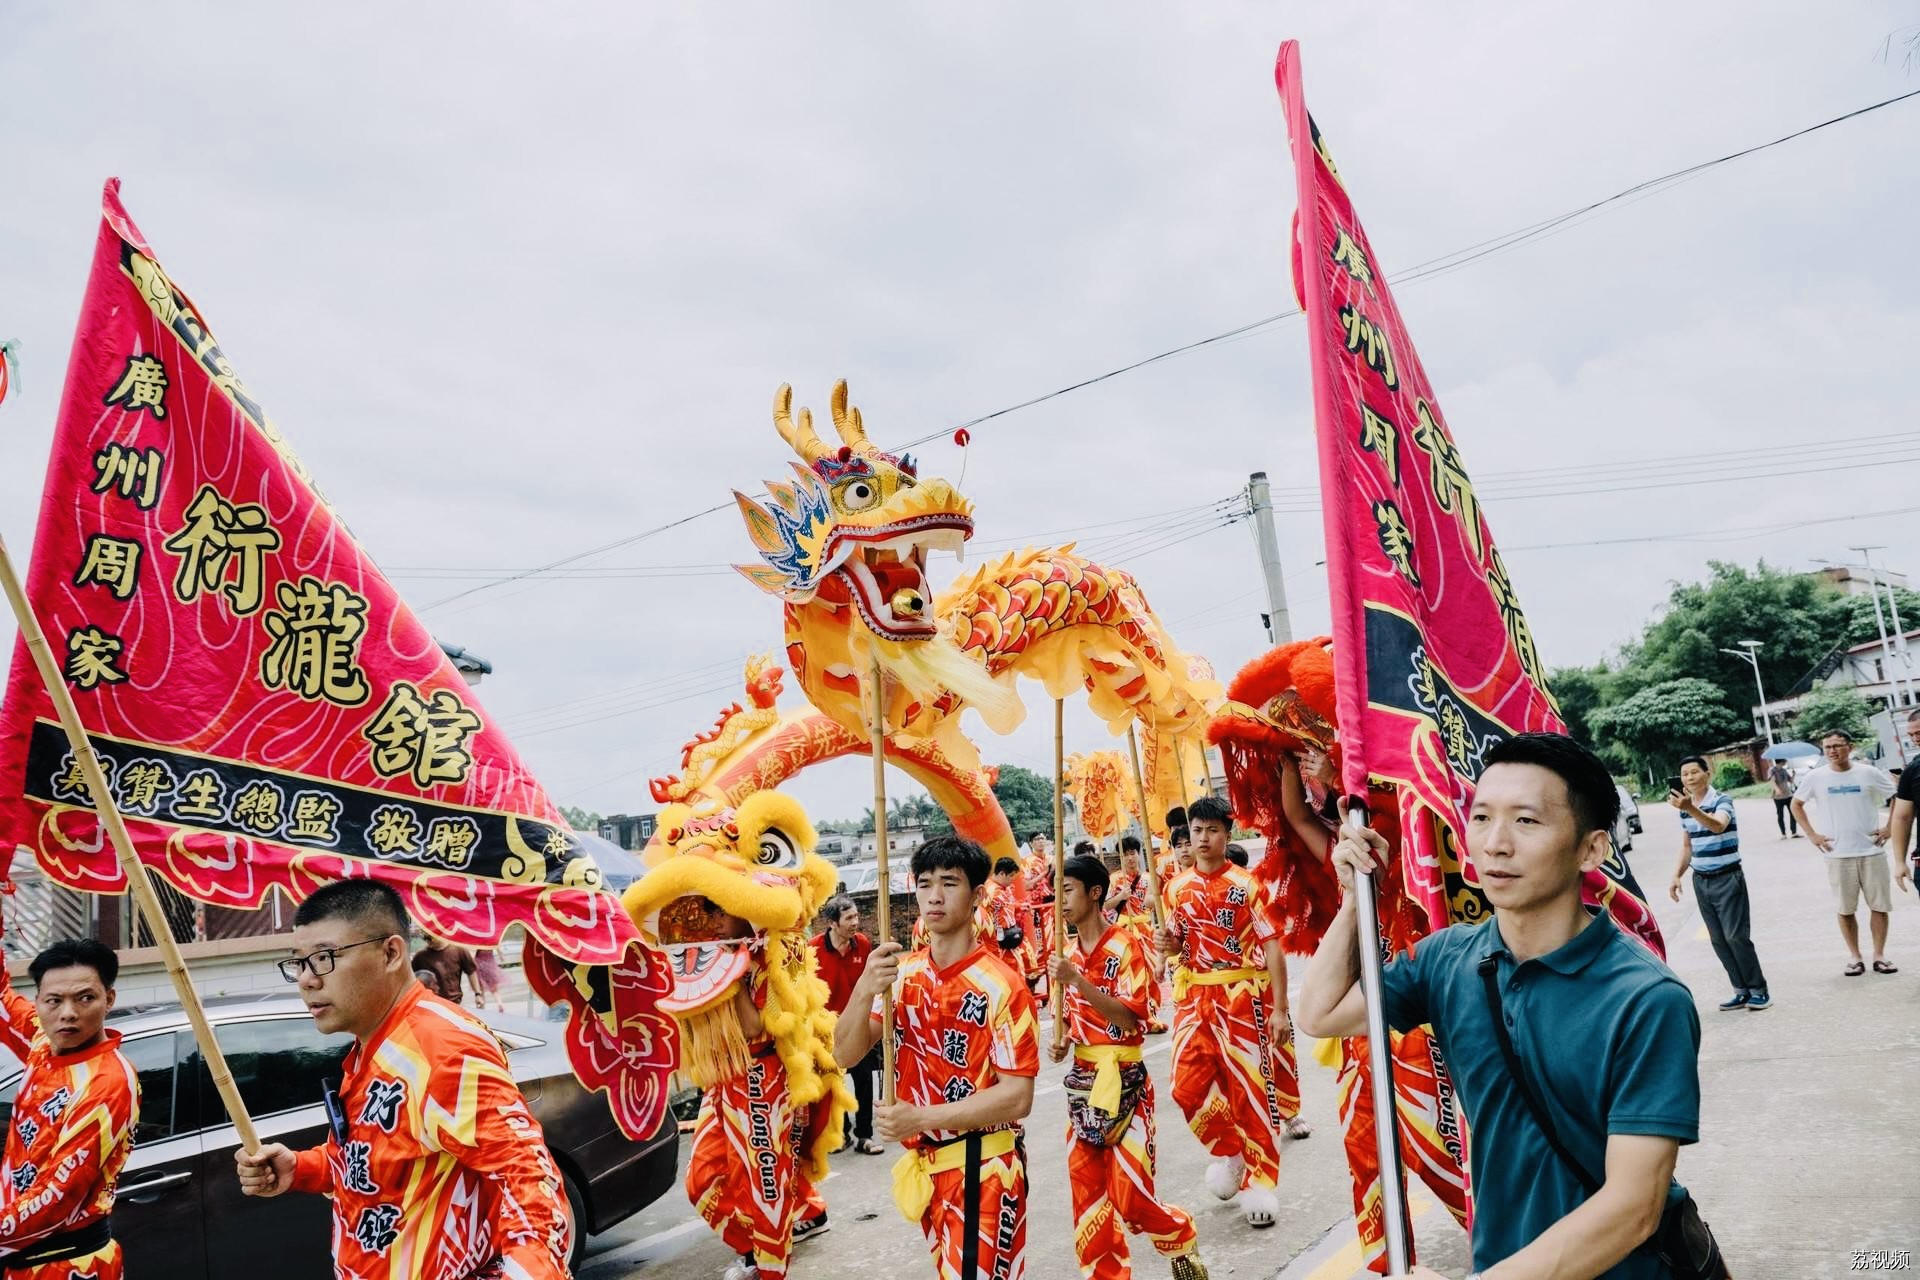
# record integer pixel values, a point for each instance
(1711, 846)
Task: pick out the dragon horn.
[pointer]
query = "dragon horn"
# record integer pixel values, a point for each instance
(804, 442)
(847, 421)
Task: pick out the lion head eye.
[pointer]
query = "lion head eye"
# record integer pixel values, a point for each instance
(777, 852)
(859, 495)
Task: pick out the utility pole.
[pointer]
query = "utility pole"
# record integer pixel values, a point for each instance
(1886, 649)
(1746, 650)
(1279, 626)
(1900, 641)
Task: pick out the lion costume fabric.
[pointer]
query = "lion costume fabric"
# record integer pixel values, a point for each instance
(1281, 706)
(728, 896)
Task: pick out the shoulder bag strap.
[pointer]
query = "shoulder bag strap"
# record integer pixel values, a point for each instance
(1490, 978)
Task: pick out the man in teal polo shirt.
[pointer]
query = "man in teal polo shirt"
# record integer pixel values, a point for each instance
(1606, 1034)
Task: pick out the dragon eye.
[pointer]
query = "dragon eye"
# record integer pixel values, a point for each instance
(777, 851)
(858, 495)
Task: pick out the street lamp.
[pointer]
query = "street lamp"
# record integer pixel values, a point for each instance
(1753, 660)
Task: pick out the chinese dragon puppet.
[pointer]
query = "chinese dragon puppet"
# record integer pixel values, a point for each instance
(844, 543)
(728, 896)
(1278, 738)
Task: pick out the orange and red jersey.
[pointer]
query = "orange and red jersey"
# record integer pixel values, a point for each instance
(1037, 871)
(71, 1134)
(1221, 920)
(1116, 964)
(959, 1029)
(1133, 901)
(437, 1169)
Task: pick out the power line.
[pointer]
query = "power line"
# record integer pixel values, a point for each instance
(1716, 457)
(1755, 471)
(1433, 267)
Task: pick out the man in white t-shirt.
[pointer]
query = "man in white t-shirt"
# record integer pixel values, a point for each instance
(1841, 805)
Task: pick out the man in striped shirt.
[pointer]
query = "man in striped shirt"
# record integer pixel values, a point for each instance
(1711, 846)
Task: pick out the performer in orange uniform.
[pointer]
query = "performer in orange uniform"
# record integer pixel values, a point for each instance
(1278, 739)
(435, 1166)
(966, 1058)
(1219, 929)
(73, 1118)
(1036, 875)
(1127, 896)
(1106, 981)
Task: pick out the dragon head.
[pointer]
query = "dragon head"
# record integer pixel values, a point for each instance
(854, 526)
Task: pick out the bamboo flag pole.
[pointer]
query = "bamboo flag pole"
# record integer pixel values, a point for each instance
(138, 885)
(1399, 1229)
(1146, 830)
(1059, 863)
(884, 907)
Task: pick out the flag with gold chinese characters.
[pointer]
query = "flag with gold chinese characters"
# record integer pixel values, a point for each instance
(268, 711)
(1434, 660)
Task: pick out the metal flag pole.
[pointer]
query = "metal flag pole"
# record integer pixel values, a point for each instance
(1059, 864)
(883, 909)
(1386, 1116)
(144, 898)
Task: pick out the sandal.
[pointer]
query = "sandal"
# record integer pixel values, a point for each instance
(1881, 966)
(1855, 969)
(868, 1147)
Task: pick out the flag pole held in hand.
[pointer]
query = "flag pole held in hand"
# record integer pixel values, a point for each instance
(883, 909)
(138, 885)
(1059, 864)
(1386, 1128)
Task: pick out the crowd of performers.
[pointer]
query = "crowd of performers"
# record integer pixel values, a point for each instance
(1206, 962)
(787, 1051)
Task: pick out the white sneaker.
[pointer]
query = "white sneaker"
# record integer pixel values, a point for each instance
(1223, 1176)
(1260, 1205)
(742, 1270)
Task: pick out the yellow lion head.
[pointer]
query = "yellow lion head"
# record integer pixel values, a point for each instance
(728, 896)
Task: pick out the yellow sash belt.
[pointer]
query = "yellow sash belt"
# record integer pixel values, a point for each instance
(1184, 980)
(1141, 921)
(1105, 1059)
(913, 1172)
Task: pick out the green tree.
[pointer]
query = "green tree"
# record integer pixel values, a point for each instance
(1665, 721)
(1796, 617)
(1832, 707)
(1026, 798)
(580, 819)
(1729, 774)
(1580, 691)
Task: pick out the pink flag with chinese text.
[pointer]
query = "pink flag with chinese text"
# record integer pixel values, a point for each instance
(269, 712)
(1434, 660)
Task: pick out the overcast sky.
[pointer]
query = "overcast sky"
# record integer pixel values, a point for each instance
(518, 287)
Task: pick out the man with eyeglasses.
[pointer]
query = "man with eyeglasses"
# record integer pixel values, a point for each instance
(435, 1165)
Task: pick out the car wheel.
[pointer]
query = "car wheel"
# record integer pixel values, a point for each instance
(576, 1220)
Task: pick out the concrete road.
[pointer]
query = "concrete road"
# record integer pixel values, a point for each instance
(1809, 1151)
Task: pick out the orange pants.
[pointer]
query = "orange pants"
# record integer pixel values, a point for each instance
(1221, 1065)
(746, 1175)
(1431, 1144)
(998, 1235)
(102, 1264)
(1283, 1067)
(1113, 1195)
